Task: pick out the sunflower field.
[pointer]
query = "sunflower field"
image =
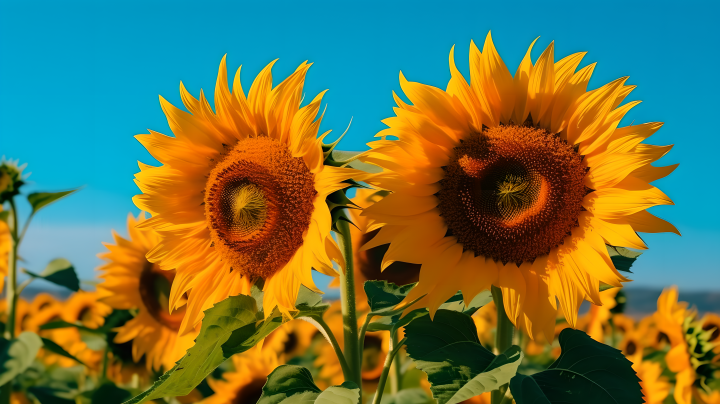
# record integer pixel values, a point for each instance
(463, 242)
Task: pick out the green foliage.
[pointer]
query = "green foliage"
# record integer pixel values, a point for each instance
(60, 272)
(51, 346)
(230, 327)
(39, 200)
(383, 296)
(447, 348)
(290, 384)
(587, 372)
(622, 257)
(408, 396)
(109, 393)
(47, 395)
(17, 354)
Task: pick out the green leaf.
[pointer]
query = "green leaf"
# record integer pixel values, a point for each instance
(587, 372)
(289, 381)
(64, 324)
(383, 296)
(408, 396)
(39, 200)
(232, 326)
(17, 355)
(622, 257)
(46, 395)
(60, 272)
(109, 393)
(291, 384)
(458, 367)
(51, 346)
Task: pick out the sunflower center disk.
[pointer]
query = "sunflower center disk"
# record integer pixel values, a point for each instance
(155, 294)
(512, 193)
(259, 201)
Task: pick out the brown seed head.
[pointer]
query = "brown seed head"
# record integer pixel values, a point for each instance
(512, 193)
(258, 205)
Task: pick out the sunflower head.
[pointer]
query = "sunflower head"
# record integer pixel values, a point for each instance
(11, 179)
(245, 382)
(131, 282)
(520, 182)
(242, 194)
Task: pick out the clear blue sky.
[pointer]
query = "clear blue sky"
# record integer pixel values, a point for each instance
(80, 79)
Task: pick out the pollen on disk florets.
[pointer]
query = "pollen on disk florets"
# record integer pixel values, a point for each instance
(259, 201)
(512, 192)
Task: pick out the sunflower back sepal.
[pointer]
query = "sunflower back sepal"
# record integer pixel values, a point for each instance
(458, 366)
(586, 372)
(623, 258)
(294, 384)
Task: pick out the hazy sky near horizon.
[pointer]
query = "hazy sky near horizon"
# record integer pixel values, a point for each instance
(80, 79)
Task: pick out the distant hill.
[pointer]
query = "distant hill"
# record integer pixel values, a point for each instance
(643, 301)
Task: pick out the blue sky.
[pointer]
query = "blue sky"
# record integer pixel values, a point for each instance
(80, 79)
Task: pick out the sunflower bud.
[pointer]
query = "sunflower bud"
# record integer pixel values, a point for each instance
(10, 179)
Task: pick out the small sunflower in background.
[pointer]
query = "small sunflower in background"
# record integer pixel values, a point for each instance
(67, 338)
(515, 181)
(245, 382)
(131, 282)
(241, 194)
(597, 317)
(655, 386)
(291, 339)
(5, 246)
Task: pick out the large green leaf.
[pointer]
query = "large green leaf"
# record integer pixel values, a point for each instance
(622, 257)
(39, 200)
(17, 355)
(587, 372)
(230, 327)
(60, 272)
(447, 348)
(383, 296)
(51, 346)
(291, 384)
(47, 395)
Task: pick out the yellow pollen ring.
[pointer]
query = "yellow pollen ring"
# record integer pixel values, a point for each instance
(249, 208)
(511, 195)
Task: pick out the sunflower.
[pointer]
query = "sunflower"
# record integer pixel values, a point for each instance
(291, 339)
(244, 384)
(41, 301)
(67, 338)
(518, 182)
(598, 315)
(5, 246)
(655, 387)
(132, 282)
(241, 194)
(689, 345)
(711, 322)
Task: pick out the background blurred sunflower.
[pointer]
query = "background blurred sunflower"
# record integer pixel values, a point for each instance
(518, 182)
(244, 384)
(241, 194)
(130, 281)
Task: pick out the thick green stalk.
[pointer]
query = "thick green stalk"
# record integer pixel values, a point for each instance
(347, 300)
(394, 349)
(11, 292)
(503, 338)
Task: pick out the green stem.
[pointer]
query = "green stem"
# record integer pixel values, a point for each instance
(327, 332)
(11, 292)
(396, 368)
(394, 349)
(106, 359)
(363, 331)
(503, 338)
(353, 349)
